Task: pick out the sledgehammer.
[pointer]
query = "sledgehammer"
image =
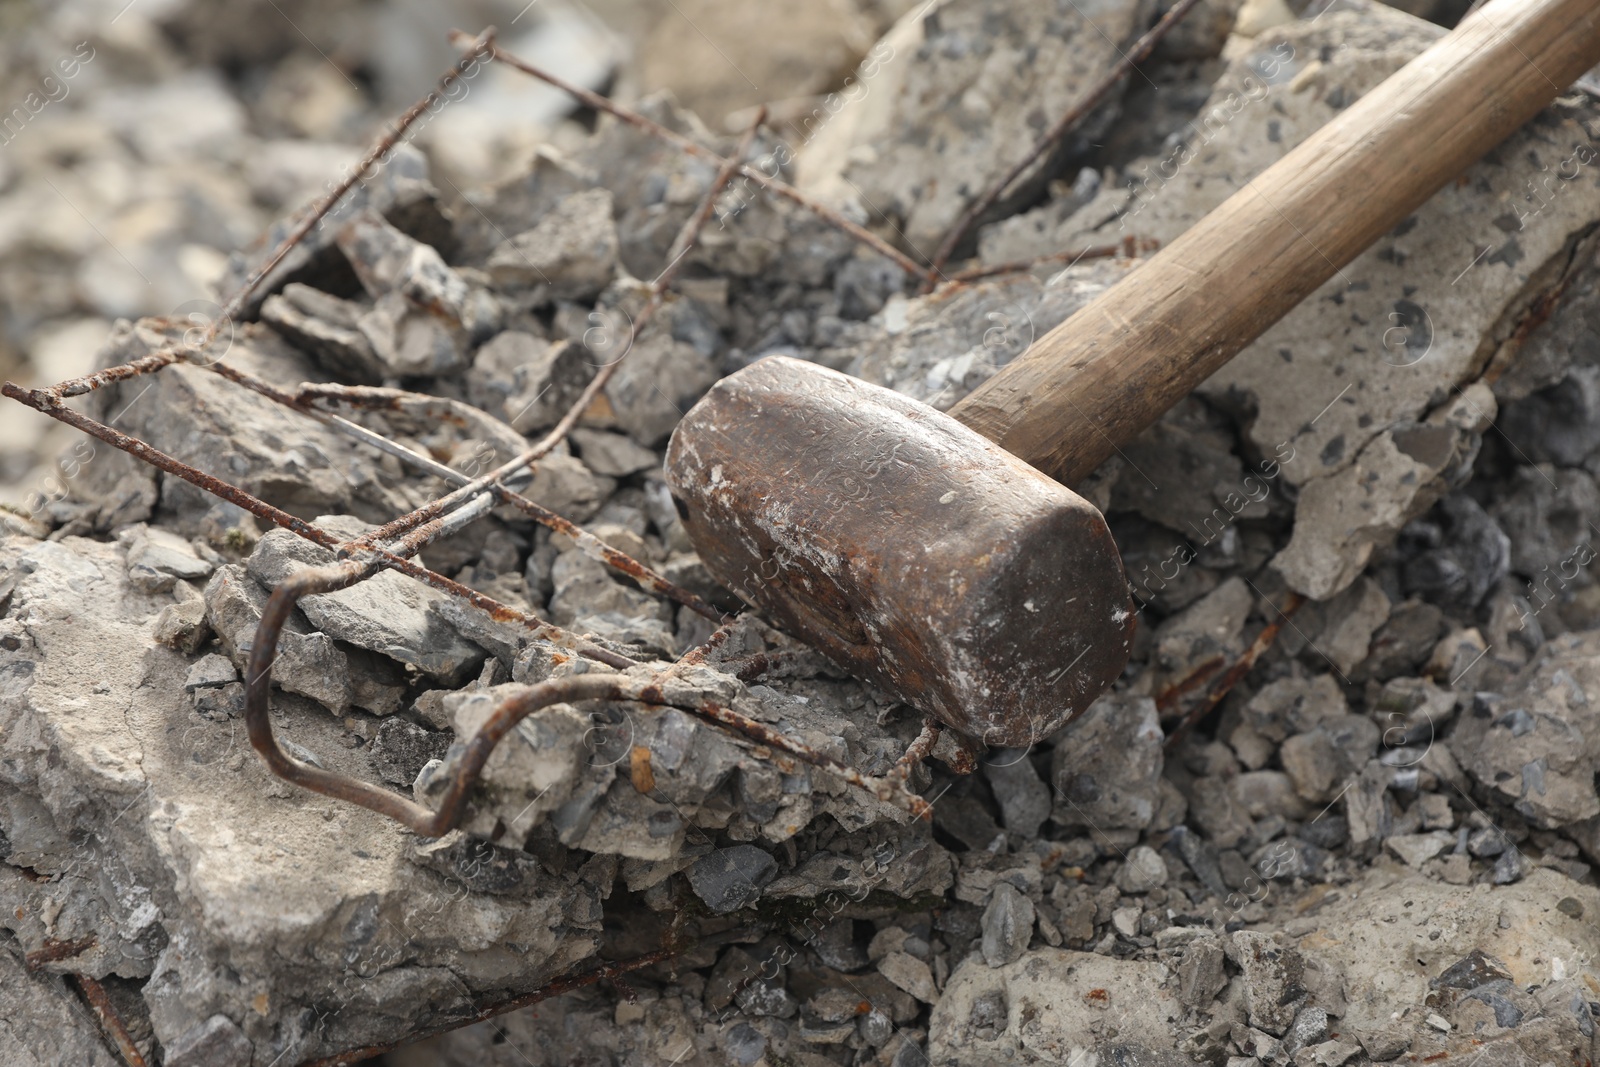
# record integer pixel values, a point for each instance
(940, 556)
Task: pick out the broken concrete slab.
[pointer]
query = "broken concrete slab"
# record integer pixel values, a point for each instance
(1539, 749)
(169, 846)
(1050, 1003)
(965, 102)
(1393, 913)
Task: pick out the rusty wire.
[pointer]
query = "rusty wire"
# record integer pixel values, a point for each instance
(390, 546)
(1236, 673)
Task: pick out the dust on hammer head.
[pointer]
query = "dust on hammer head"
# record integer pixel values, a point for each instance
(910, 550)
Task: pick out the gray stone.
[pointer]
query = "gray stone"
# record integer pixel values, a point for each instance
(1463, 554)
(388, 613)
(864, 283)
(1366, 929)
(1342, 518)
(1339, 631)
(835, 944)
(1310, 1027)
(264, 448)
(1404, 642)
(938, 351)
(425, 315)
(1215, 812)
(1511, 866)
(183, 627)
(1200, 496)
(612, 454)
(586, 587)
(327, 329)
(732, 878)
(401, 748)
(1540, 749)
(1475, 969)
(211, 670)
(1201, 857)
(1369, 812)
(570, 254)
(569, 488)
(400, 190)
(1545, 518)
(1143, 871)
(388, 261)
(533, 382)
(1210, 631)
(1107, 765)
(1264, 793)
(158, 559)
(1320, 761)
(1273, 975)
(410, 342)
(1023, 796)
(1385, 1044)
(907, 972)
(1200, 973)
(217, 1042)
(1557, 425)
(1007, 926)
(660, 380)
(1417, 849)
(1040, 1006)
(1294, 704)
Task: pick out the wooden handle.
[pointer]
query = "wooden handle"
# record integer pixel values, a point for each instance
(1110, 370)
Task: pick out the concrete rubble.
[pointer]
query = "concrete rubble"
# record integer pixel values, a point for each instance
(1376, 844)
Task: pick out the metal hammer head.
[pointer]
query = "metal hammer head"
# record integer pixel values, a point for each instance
(907, 548)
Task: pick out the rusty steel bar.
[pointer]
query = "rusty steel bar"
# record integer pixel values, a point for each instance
(1241, 667)
(364, 556)
(697, 655)
(53, 950)
(920, 748)
(592, 686)
(95, 994)
(780, 661)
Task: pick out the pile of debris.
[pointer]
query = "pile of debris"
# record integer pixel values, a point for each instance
(1341, 808)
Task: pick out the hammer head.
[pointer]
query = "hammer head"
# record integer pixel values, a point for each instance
(913, 552)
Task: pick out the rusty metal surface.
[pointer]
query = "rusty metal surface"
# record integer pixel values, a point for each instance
(912, 551)
(110, 1021)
